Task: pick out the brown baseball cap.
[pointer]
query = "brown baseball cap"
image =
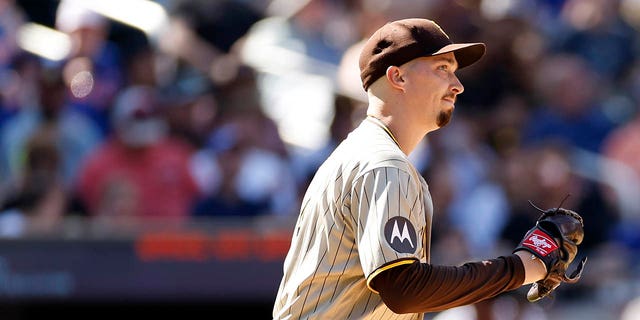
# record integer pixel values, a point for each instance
(401, 41)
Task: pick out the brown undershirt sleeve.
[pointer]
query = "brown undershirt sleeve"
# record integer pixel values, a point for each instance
(421, 287)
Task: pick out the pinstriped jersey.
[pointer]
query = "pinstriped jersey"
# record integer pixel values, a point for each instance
(367, 209)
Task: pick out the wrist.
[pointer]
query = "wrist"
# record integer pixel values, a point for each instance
(535, 269)
(541, 244)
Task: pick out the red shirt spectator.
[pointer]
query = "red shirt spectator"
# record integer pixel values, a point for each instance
(156, 181)
(138, 172)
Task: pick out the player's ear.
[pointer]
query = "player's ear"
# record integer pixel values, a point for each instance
(395, 77)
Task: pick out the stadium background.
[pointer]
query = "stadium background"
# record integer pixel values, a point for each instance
(551, 110)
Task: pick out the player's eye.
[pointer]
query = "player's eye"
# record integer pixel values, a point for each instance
(443, 67)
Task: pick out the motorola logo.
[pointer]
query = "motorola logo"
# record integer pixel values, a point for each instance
(400, 235)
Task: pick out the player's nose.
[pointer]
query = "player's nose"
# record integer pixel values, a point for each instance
(456, 86)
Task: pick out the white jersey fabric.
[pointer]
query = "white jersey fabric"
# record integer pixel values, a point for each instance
(367, 209)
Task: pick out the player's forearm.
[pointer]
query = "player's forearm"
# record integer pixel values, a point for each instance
(420, 287)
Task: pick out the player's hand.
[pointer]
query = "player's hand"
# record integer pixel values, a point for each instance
(554, 240)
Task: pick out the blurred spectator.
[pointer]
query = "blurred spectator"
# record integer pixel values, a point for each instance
(13, 89)
(547, 176)
(503, 126)
(551, 181)
(93, 70)
(516, 49)
(472, 202)
(248, 164)
(569, 109)
(19, 84)
(297, 49)
(191, 116)
(11, 18)
(347, 112)
(190, 102)
(139, 60)
(348, 76)
(203, 35)
(18, 92)
(622, 147)
(40, 200)
(308, 29)
(139, 172)
(595, 31)
(74, 134)
(220, 23)
(226, 198)
(623, 144)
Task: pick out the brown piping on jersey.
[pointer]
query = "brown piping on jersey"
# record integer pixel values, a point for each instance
(381, 124)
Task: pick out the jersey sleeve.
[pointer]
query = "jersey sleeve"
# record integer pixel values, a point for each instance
(390, 217)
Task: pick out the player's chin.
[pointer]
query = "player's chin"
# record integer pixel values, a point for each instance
(444, 117)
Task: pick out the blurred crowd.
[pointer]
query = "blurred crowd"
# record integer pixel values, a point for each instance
(230, 110)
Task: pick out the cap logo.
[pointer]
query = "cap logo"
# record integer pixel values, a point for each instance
(400, 234)
(540, 242)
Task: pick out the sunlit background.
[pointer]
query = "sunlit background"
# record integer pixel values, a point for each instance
(153, 154)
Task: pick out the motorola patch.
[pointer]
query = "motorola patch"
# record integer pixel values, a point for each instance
(400, 235)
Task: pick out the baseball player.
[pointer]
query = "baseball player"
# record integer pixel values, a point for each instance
(360, 247)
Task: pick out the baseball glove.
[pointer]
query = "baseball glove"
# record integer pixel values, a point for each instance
(554, 240)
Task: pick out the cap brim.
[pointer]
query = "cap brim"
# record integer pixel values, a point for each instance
(466, 53)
